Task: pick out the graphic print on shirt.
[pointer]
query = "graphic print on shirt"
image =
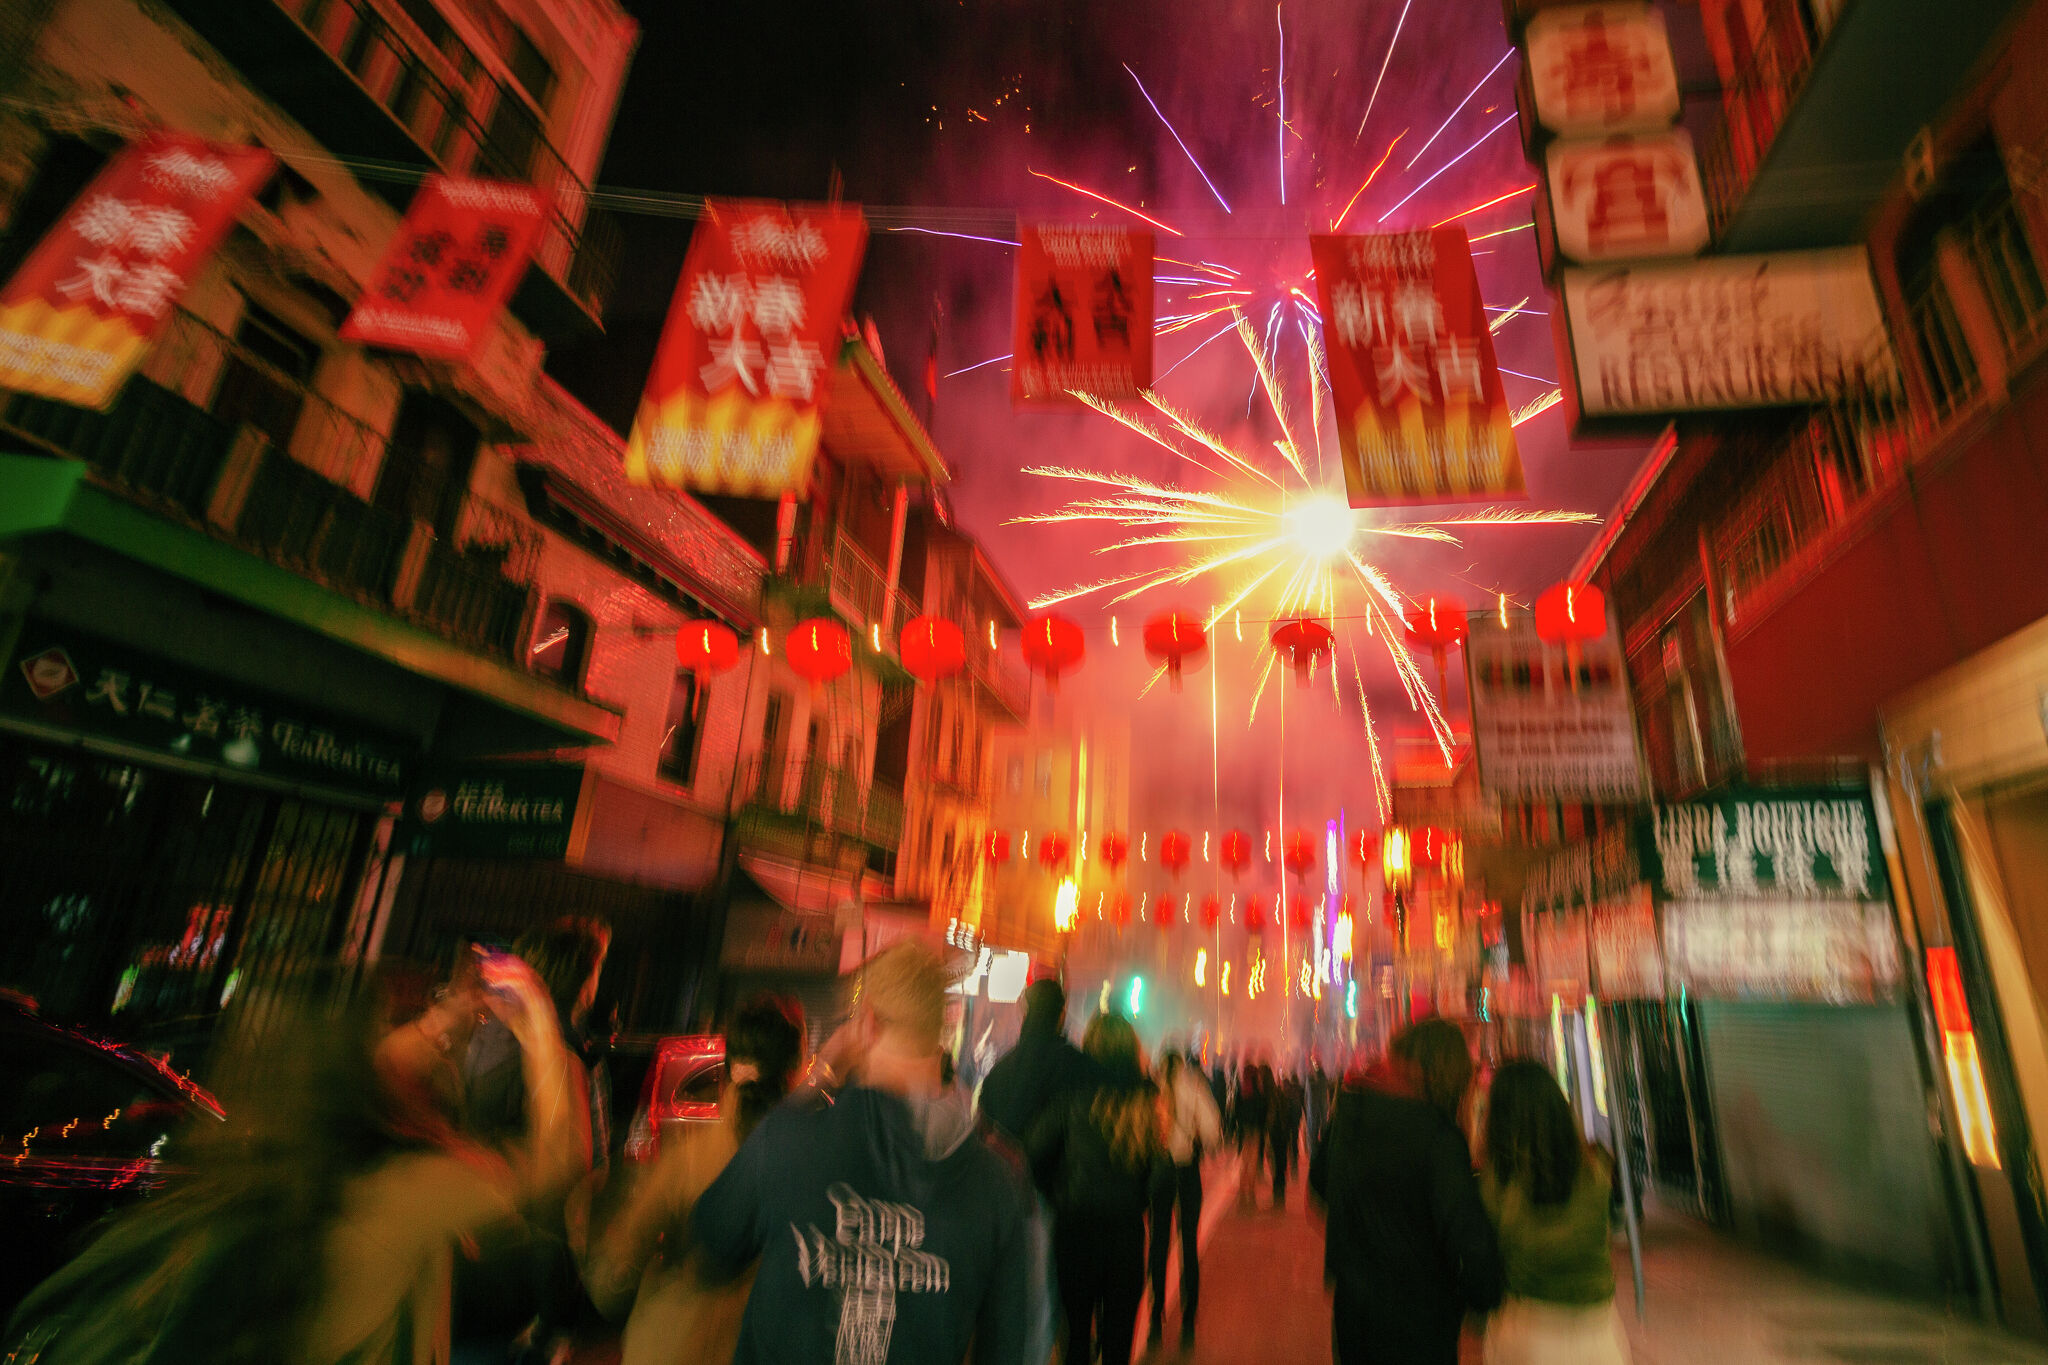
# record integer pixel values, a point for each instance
(873, 1253)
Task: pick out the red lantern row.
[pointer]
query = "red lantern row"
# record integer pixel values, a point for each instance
(1299, 852)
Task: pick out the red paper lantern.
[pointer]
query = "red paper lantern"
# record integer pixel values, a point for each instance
(1115, 848)
(1301, 641)
(1052, 645)
(1438, 622)
(1237, 852)
(1300, 853)
(1255, 914)
(1212, 911)
(1052, 850)
(1175, 638)
(1366, 848)
(1300, 913)
(1173, 851)
(932, 647)
(1426, 846)
(1162, 914)
(819, 650)
(1571, 613)
(1120, 908)
(996, 847)
(706, 647)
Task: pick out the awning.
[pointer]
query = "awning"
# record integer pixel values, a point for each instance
(800, 887)
(867, 418)
(58, 497)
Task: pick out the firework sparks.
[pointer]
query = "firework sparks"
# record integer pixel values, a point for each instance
(1457, 111)
(1179, 141)
(1476, 144)
(1392, 43)
(1113, 203)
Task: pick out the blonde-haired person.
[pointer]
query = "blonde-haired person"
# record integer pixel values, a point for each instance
(884, 1227)
(1096, 1155)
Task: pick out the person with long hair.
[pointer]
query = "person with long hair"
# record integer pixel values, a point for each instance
(1409, 1248)
(1194, 1130)
(643, 1264)
(1548, 1194)
(1096, 1156)
(318, 1224)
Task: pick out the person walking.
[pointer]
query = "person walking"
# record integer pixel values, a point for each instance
(1041, 1070)
(1254, 1117)
(1548, 1194)
(1409, 1248)
(1097, 1155)
(643, 1267)
(883, 1227)
(1194, 1129)
(1284, 1133)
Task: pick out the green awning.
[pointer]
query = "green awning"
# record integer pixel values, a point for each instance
(42, 497)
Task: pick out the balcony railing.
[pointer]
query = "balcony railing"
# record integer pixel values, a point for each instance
(1995, 242)
(1010, 688)
(425, 92)
(1946, 362)
(821, 799)
(1753, 107)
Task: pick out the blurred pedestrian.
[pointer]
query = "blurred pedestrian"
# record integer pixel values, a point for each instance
(1409, 1247)
(644, 1261)
(1254, 1115)
(1284, 1132)
(1097, 1154)
(569, 956)
(1194, 1130)
(319, 1222)
(882, 1226)
(1041, 1070)
(423, 1056)
(1548, 1192)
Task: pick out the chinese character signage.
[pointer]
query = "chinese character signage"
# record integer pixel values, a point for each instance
(1725, 332)
(1792, 845)
(85, 305)
(496, 810)
(455, 261)
(1541, 732)
(1420, 410)
(739, 382)
(1597, 69)
(1622, 198)
(1084, 313)
(70, 681)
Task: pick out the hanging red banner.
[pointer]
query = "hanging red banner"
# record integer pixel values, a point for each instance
(734, 401)
(85, 305)
(455, 261)
(1421, 413)
(1084, 313)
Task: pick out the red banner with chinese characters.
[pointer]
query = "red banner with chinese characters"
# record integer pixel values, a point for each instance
(455, 261)
(85, 305)
(1420, 409)
(1084, 313)
(734, 402)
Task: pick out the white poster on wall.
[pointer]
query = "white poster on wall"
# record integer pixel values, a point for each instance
(1625, 198)
(1725, 332)
(1601, 69)
(1544, 730)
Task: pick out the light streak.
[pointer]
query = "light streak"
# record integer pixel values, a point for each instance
(1177, 139)
(1112, 639)
(1489, 236)
(1507, 315)
(1226, 331)
(979, 364)
(1135, 213)
(1367, 183)
(1391, 44)
(1519, 375)
(1280, 85)
(1476, 144)
(1539, 407)
(963, 236)
(1498, 198)
(1457, 111)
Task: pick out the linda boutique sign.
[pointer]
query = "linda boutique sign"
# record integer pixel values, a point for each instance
(1786, 845)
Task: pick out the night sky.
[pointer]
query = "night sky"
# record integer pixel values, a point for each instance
(933, 114)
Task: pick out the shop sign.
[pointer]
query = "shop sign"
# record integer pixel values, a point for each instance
(1557, 950)
(449, 271)
(765, 937)
(1625, 198)
(77, 316)
(1622, 941)
(71, 680)
(1551, 724)
(1421, 414)
(1783, 845)
(734, 403)
(1084, 313)
(1582, 873)
(1834, 951)
(1596, 69)
(1725, 332)
(496, 810)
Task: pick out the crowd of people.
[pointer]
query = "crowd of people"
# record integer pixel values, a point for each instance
(426, 1176)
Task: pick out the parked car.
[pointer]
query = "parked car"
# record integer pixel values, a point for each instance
(677, 1079)
(84, 1124)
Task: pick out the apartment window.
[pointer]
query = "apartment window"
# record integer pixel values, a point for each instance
(682, 728)
(561, 643)
(1753, 546)
(263, 384)
(1996, 242)
(1013, 777)
(530, 68)
(1041, 777)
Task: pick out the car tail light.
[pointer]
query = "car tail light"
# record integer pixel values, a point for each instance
(675, 1060)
